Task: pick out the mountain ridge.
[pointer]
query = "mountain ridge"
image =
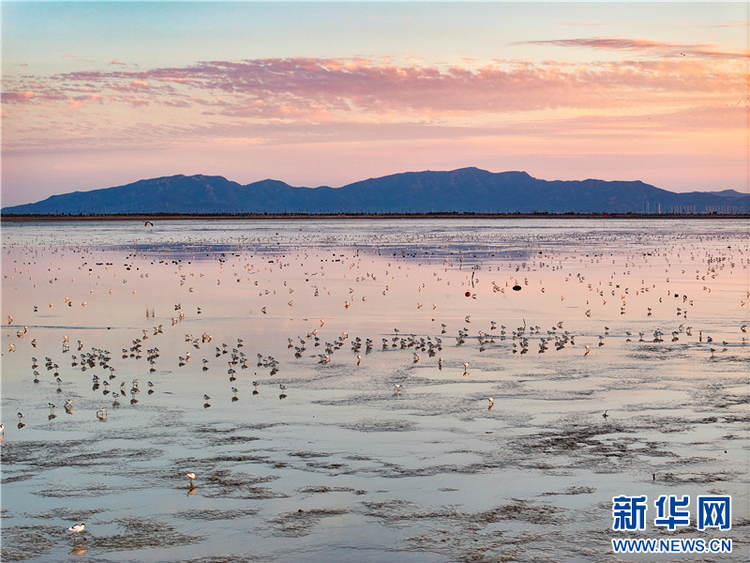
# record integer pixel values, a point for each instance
(464, 190)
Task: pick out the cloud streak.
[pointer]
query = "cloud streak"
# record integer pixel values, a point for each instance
(325, 88)
(658, 48)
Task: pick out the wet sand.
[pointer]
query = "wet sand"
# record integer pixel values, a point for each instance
(381, 445)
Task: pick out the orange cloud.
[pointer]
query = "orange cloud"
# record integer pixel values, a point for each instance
(17, 97)
(354, 88)
(661, 48)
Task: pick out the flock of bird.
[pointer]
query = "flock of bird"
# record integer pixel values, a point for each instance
(497, 337)
(112, 380)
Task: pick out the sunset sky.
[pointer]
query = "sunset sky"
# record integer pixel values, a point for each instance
(103, 94)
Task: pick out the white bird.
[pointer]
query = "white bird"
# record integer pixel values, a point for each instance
(77, 528)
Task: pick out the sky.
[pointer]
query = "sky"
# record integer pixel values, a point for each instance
(101, 94)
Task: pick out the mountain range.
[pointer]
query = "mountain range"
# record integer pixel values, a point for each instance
(466, 190)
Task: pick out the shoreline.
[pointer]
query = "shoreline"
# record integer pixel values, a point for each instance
(350, 216)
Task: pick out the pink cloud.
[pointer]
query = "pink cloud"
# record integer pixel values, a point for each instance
(315, 88)
(17, 97)
(660, 48)
(134, 101)
(132, 86)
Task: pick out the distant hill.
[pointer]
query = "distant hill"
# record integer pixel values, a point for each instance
(467, 190)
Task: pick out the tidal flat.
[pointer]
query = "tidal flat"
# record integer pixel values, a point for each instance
(391, 390)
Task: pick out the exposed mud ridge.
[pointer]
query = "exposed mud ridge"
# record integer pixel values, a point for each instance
(16, 479)
(571, 491)
(245, 492)
(38, 452)
(741, 523)
(401, 513)
(26, 542)
(571, 439)
(390, 425)
(51, 454)
(728, 401)
(228, 440)
(324, 489)
(520, 509)
(445, 469)
(139, 534)
(728, 359)
(592, 447)
(703, 477)
(316, 489)
(307, 454)
(716, 395)
(240, 458)
(492, 547)
(225, 559)
(20, 543)
(80, 490)
(470, 536)
(206, 468)
(71, 515)
(651, 353)
(358, 457)
(331, 468)
(300, 523)
(224, 483)
(235, 428)
(663, 424)
(208, 514)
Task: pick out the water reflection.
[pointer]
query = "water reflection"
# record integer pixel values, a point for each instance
(364, 354)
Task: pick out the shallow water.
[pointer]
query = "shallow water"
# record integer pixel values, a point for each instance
(343, 465)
